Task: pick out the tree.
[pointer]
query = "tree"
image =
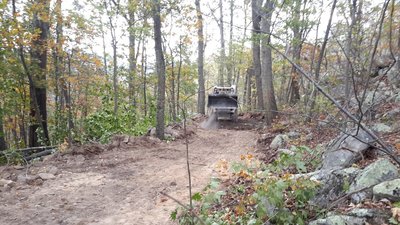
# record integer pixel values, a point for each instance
(221, 69)
(294, 87)
(266, 63)
(255, 43)
(160, 66)
(3, 145)
(201, 95)
(38, 86)
(114, 43)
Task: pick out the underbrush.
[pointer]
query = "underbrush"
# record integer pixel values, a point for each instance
(258, 193)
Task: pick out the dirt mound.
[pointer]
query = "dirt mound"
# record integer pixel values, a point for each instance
(86, 149)
(125, 141)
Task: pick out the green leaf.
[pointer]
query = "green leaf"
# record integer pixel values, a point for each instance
(174, 214)
(197, 197)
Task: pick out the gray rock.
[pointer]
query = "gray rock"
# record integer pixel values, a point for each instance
(392, 113)
(339, 220)
(279, 141)
(293, 135)
(375, 173)
(46, 176)
(26, 179)
(368, 213)
(285, 151)
(397, 98)
(388, 189)
(373, 216)
(346, 150)
(6, 183)
(333, 184)
(381, 128)
(309, 137)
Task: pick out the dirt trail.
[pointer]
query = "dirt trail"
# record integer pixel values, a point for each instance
(122, 186)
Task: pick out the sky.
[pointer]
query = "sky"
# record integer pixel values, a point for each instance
(211, 28)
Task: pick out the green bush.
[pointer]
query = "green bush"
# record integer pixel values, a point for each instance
(258, 193)
(102, 125)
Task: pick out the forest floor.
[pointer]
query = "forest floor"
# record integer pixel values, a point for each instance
(122, 185)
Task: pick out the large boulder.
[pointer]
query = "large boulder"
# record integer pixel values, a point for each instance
(346, 149)
(381, 128)
(333, 184)
(373, 174)
(279, 141)
(339, 220)
(388, 189)
(373, 215)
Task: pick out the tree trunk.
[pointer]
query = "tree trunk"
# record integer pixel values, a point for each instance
(132, 54)
(114, 43)
(294, 88)
(256, 18)
(160, 66)
(3, 145)
(39, 57)
(266, 63)
(172, 107)
(320, 58)
(221, 69)
(231, 65)
(178, 80)
(201, 95)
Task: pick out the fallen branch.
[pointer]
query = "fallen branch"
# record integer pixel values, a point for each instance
(39, 154)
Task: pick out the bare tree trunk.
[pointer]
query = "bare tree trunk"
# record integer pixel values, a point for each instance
(132, 54)
(68, 102)
(160, 66)
(321, 55)
(114, 43)
(3, 145)
(39, 56)
(201, 95)
(231, 65)
(349, 45)
(143, 70)
(256, 18)
(221, 69)
(104, 49)
(172, 79)
(178, 80)
(294, 92)
(266, 63)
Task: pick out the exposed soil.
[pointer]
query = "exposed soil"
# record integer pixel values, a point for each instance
(122, 184)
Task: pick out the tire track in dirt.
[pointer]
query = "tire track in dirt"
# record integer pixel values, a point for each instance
(122, 186)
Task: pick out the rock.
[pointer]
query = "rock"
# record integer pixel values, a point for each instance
(373, 216)
(397, 98)
(381, 128)
(339, 220)
(375, 173)
(309, 137)
(346, 150)
(26, 179)
(6, 183)
(279, 141)
(392, 113)
(46, 176)
(388, 189)
(293, 135)
(285, 151)
(333, 184)
(49, 169)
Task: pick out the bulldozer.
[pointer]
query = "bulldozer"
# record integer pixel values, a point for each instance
(223, 103)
